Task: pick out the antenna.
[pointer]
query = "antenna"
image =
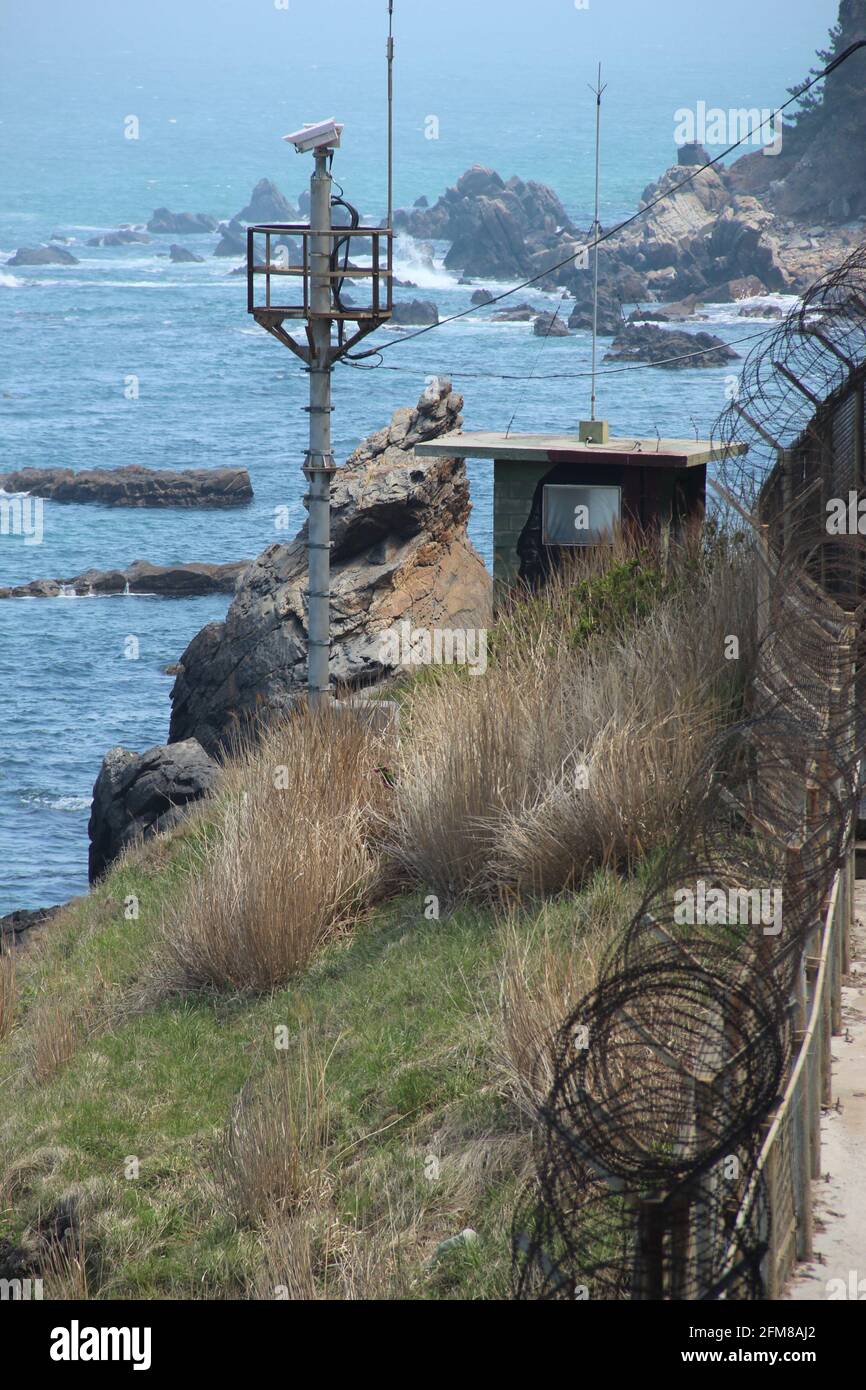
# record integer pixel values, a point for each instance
(390, 114)
(596, 232)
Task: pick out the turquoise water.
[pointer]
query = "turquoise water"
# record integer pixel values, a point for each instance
(214, 88)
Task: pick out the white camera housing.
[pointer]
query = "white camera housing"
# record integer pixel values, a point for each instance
(324, 135)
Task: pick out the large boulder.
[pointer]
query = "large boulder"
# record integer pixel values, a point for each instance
(267, 204)
(399, 552)
(164, 222)
(182, 256)
(233, 240)
(495, 226)
(42, 255)
(416, 311)
(664, 347)
(133, 486)
(137, 795)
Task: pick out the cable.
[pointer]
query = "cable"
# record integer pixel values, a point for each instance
(561, 376)
(614, 231)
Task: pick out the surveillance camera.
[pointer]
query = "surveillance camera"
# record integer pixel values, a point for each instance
(325, 135)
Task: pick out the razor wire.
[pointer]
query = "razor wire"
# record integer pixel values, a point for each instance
(665, 1076)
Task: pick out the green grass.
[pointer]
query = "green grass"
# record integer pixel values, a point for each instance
(406, 1014)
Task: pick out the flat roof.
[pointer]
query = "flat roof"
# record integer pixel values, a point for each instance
(567, 448)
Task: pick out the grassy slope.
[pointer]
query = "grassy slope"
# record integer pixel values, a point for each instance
(406, 1012)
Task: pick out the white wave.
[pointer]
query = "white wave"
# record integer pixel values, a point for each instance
(412, 261)
(9, 282)
(56, 803)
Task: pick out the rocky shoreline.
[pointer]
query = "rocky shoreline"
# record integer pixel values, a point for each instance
(190, 580)
(133, 486)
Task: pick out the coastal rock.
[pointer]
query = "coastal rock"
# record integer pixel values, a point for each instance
(649, 343)
(399, 552)
(267, 204)
(164, 222)
(418, 311)
(482, 297)
(494, 225)
(609, 316)
(43, 255)
(550, 326)
(135, 487)
(124, 236)
(141, 577)
(137, 795)
(181, 256)
(233, 240)
(521, 313)
(15, 927)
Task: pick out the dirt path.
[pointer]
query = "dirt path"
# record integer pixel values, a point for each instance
(840, 1205)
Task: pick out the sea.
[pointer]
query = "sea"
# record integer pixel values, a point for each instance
(108, 111)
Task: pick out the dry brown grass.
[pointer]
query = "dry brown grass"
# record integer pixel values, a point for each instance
(290, 864)
(545, 972)
(561, 759)
(54, 1032)
(271, 1165)
(8, 993)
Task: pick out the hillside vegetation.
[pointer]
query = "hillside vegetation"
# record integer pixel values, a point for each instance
(296, 1048)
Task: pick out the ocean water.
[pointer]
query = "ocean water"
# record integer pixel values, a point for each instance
(213, 85)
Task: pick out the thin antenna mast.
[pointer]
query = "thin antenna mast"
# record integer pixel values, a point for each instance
(596, 232)
(390, 114)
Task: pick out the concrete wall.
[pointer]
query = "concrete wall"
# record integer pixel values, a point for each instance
(514, 487)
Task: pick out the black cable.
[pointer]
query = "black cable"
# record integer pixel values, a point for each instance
(614, 231)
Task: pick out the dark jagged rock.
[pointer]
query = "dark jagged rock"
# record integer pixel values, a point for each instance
(181, 256)
(649, 343)
(482, 297)
(494, 226)
(164, 222)
(137, 795)
(16, 927)
(418, 311)
(124, 236)
(168, 581)
(135, 487)
(691, 154)
(609, 316)
(43, 255)
(267, 204)
(399, 552)
(520, 313)
(550, 326)
(233, 240)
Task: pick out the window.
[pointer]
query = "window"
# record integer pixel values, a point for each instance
(575, 515)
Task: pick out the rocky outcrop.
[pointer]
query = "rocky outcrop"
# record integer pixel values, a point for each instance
(181, 256)
(417, 311)
(233, 240)
(124, 236)
(16, 928)
(399, 552)
(141, 794)
(482, 297)
(519, 313)
(550, 326)
(164, 222)
(494, 226)
(135, 487)
(267, 204)
(141, 577)
(609, 316)
(648, 343)
(43, 255)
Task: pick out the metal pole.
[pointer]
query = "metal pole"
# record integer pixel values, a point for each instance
(596, 230)
(319, 463)
(390, 114)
